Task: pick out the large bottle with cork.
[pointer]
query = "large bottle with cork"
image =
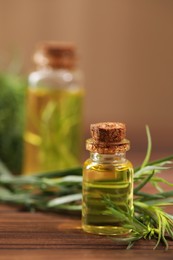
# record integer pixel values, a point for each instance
(54, 110)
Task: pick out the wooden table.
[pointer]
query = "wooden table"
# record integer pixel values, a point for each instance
(25, 235)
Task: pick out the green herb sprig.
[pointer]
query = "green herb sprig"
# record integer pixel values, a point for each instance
(12, 99)
(61, 191)
(149, 220)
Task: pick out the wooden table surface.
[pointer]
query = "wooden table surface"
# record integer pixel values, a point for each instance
(25, 235)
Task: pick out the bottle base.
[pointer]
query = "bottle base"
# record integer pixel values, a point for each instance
(106, 230)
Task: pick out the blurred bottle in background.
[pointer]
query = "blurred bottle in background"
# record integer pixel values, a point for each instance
(54, 110)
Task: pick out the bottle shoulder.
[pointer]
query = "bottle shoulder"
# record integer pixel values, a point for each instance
(120, 164)
(56, 78)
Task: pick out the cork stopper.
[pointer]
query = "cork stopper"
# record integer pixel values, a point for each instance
(55, 55)
(108, 138)
(108, 132)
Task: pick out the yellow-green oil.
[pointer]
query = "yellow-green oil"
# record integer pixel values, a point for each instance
(100, 180)
(53, 129)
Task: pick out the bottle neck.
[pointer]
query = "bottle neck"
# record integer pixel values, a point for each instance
(108, 158)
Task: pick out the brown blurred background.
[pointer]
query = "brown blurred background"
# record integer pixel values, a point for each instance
(126, 52)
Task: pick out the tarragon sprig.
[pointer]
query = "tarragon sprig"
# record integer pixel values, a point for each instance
(149, 220)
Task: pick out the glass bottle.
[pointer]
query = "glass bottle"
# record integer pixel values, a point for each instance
(106, 174)
(54, 110)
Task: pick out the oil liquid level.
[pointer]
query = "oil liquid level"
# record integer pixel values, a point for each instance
(53, 129)
(100, 181)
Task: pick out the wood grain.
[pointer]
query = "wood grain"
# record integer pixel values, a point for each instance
(42, 236)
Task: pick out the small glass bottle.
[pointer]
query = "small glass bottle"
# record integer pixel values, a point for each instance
(107, 173)
(54, 110)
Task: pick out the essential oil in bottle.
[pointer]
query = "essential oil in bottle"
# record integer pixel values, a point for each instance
(107, 173)
(54, 110)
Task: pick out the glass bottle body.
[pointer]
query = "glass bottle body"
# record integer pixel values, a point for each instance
(53, 120)
(108, 176)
